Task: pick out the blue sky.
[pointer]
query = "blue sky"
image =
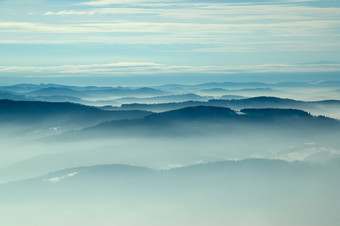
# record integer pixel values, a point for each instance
(42, 39)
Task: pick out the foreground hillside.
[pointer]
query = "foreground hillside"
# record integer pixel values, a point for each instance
(249, 192)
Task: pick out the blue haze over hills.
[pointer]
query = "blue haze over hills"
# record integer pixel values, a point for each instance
(190, 151)
(188, 112)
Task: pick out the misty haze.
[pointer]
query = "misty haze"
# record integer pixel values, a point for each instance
(189, 112)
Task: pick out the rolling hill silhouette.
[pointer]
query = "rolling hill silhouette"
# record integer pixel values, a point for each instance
(206, 119)
(91, 92)
(33, 112)
(254, 102)
(120, 175)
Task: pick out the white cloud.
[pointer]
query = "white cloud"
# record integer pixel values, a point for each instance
(111, 2)
(58, 179)
(149, 68)
(226, 27)
(173, 166)
(217, 12)
(307, 154)
(204, 28)
(177, 32)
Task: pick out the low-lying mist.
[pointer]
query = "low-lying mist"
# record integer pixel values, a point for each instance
(180, 155)
(248, 192)
(170, 143)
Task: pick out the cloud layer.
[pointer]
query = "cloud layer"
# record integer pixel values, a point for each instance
(222, 35)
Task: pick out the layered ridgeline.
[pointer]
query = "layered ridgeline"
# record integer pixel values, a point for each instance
(36, 114)
(174, 96)
(88, 135)
(93, 95)
(78, 91)
(67, 161)
(324, 107)
(248, 192)
(76, 116)
(205, 120)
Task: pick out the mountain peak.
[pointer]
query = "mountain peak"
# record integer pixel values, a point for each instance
(197, 112)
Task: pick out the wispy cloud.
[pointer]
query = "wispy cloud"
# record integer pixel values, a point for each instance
(182, 32)
(222, 12)
(60, 178)
(166, 33)
(149, 68)
(111, 2)
(219, 25)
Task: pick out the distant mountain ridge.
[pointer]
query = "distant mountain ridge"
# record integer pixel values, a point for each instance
(206, 119)
(118, 91)
(217, 86)
(253, 102)
(31, 112)
(88, 174)
(229, 85)
(164, 99)
(194, 113)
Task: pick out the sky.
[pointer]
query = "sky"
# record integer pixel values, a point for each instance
(180, 40)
